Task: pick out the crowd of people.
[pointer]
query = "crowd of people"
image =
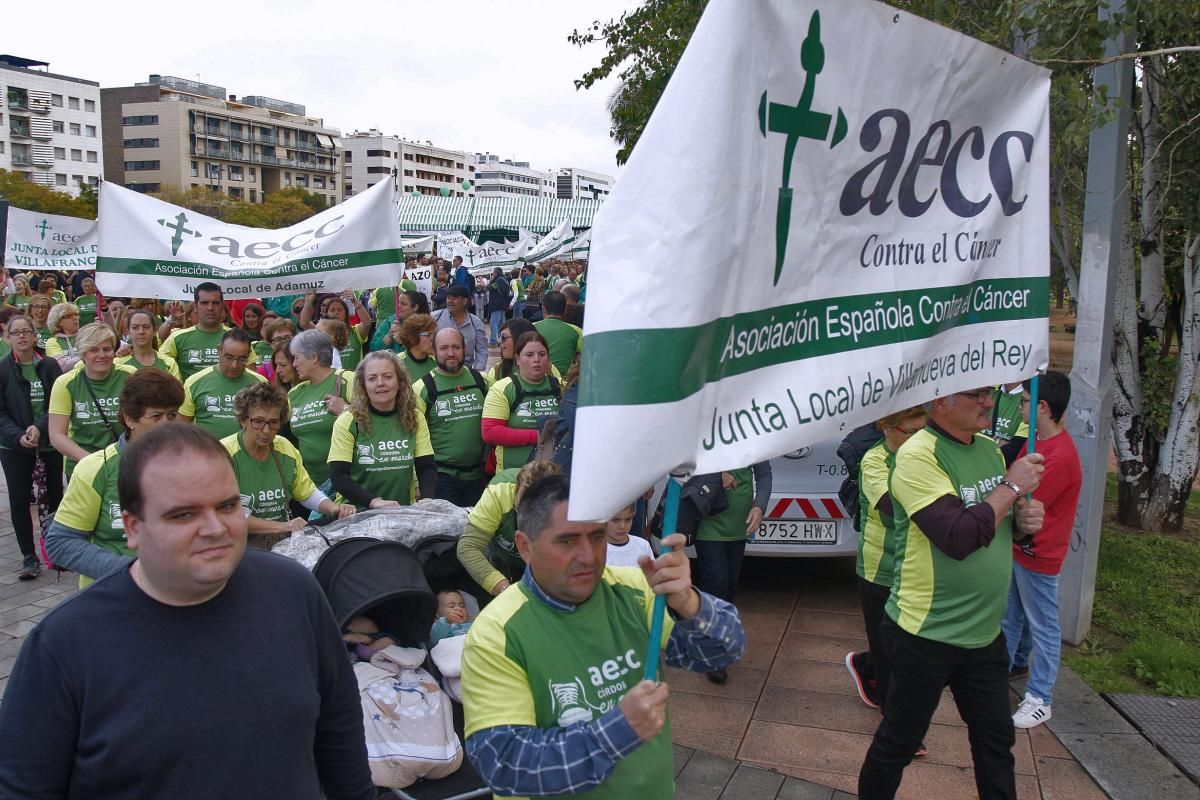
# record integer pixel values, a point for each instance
(325, 406)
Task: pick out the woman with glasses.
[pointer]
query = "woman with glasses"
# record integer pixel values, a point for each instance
(276, 334)
(270, 472)
(877, 548)
(87, 536)
(322, 394)
(416, 334)
(26, 381)
(144, 344)
(84, 402)
(63, 322)
(39, 311)
(380, 450)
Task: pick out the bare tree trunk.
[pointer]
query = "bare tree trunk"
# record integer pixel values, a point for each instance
(1062, 240)
(1180, 452)
(1128, 420)
(1152, 306)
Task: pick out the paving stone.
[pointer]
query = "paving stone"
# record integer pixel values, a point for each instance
(681, 755)
(810, 748)
(704, 777)
(1128, 767)
(839, 795)
(742, 683)
(1172, 724)
(1079, 709)
(764, 627)
(1064, 779)
(817, 710)
(21, 628)
(724, 745)
(799, 789)
(752, 783)
(814, 676)
(1045, 743)
(827, 623)
(819, 648)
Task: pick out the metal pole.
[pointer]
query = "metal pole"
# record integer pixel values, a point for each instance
(1089, 418)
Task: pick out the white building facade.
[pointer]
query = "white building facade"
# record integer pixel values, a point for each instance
(573, 183)
(50, 128)
(421, 167)
(507, 178)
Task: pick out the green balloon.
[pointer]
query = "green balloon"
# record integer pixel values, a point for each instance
(444, 192)
(466, 184)
(416, 194)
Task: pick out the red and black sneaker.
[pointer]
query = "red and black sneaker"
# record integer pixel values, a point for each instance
(868, 689)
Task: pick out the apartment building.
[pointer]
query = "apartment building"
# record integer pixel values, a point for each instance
(179, 132)
(573, 183)
(422, 167)
(507, 178)
(49, 126)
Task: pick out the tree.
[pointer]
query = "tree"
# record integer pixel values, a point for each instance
(278, 210)
(22, 193)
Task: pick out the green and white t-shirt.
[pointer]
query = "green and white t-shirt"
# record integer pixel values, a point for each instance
(934, 596)
(268, 486)
(877, 542)
(1007, 415)
(91, 503)
(565, 341)
(730, 525)
(454, 421)
(37, 392)
(86, 424)
(194, 349)
(414, 368)
(352, 353)
(526, 663)
(381, 460)
(537, 400)
(496, 514)
(208, 399)
(87, 308)
(312, 425)
(165, 363)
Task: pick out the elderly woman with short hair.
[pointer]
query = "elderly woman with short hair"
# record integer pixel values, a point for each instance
(322, 393)
(63, 323)
(416, 334)
(270, 472)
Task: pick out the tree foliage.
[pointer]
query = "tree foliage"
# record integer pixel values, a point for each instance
(278, 210)
(22, 193)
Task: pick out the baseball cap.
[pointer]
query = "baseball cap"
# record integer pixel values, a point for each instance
(458, 290)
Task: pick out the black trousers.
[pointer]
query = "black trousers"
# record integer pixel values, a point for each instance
(18, 471)
(921, 668)
(720, 566)
(873, 598)
(458, 491)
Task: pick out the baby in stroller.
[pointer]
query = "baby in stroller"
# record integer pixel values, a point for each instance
(365, 636)
(451, 616)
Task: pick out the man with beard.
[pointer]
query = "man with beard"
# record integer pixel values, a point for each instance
(451, 399)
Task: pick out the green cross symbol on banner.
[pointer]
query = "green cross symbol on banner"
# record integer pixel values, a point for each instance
(45, 226)
(798, 122)
(179, 227)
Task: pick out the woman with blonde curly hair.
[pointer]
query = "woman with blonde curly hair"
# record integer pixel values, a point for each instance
(380, 450)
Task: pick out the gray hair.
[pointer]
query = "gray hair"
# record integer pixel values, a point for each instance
(59, 311)
(311, 343)
(538, 503)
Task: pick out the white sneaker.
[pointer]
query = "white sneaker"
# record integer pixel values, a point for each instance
(1031, 713)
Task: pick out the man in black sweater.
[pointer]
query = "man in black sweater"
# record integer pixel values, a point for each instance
(201, 671)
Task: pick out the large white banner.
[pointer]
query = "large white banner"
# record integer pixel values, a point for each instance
(49, 241)
(481, 259)
(863, 227)
(149, 248)
(556, 243)
(449, 240)
(582, 245)
(418, 245)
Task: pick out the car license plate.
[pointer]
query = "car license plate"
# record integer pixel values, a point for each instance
(796, 532)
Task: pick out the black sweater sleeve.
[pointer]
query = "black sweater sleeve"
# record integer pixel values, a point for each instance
(955, 529)
(426, 469)
(343, 484)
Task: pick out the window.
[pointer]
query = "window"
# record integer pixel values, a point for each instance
(347, 156)
(77, 180)
(140, 165)
(93, 180)
(89, 130)
(235, 191)
(408, 157)
(253, 174)
(58, 126)
(60, 179)
(89, 105)
(60, 153)
(56, 100)
(141, 142)
(235, 173)
(302, 180)
(379, 154)
(144, 119)
(77, 155)
(75, 129)
(195, 170)
(92, 156)
(318, 183)
(379, 170)
(253, 196)
(145, 188)
(408, 173)
(73, 103)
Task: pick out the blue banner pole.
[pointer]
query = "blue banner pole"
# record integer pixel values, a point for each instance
(1031, 442)
(654, 647)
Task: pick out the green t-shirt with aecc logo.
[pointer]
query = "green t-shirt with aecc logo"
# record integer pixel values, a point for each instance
(1006, 414)
(208, 399)
(87, 308)
(268, 486)
(415, 368)
(527, 664)
(936, 597)
(730, 525)
(87, 425)
(538, 400)
(194, 349)
(352, 353)
(312, 424)
(454, 420)
(91, 503)
(37, 392)
(877, 542)
(382, 460)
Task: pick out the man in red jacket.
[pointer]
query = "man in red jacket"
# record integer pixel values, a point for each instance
(1031, 618)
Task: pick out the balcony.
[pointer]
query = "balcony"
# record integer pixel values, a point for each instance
(18, 100)
(265, 138)
(21, 160)
(18, 128)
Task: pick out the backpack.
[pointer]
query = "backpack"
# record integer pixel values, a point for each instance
(851, 451)
(431, 394)
(394, 688)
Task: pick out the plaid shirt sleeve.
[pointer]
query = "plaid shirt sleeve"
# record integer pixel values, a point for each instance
(712, 639)
(524, 760)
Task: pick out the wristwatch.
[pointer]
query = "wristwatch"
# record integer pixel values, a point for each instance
(1016, 489)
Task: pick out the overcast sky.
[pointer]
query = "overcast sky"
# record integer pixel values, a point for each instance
(474, 75)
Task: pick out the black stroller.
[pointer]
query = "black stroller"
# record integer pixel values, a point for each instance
(385, 581)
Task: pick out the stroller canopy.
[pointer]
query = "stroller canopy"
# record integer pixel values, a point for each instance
(381, 580)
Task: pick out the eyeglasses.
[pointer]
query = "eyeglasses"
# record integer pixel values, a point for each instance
(20, 332)
(910, 431)
(281, 339)
(263, 424)
(979, 395)
(425, 334)
(504, 337)
(233, 360)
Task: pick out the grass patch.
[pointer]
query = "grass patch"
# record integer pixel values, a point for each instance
(1146, 615)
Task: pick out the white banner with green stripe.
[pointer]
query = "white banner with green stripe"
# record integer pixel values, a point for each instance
(555, 244)
(49, 241)
(149, 248)
(862, 228)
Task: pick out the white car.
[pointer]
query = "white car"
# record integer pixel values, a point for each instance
(805, 516)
